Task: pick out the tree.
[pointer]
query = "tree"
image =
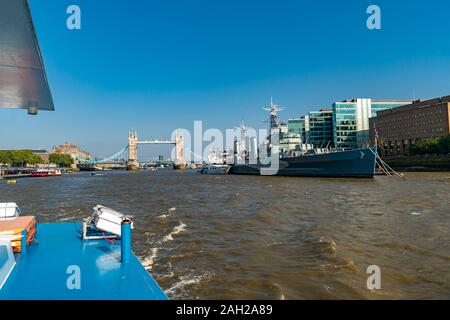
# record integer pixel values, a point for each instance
(443, 143)
(426, 146)
(19, 158)
(62, 160)
(34, 159)
(4, 157)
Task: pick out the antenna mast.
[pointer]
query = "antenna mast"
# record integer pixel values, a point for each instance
(273, 110)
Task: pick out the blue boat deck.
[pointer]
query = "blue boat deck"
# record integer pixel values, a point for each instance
(46, 269)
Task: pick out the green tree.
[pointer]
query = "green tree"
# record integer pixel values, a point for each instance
(19, 158)
(444, 144)
(4, 157)
(33, 159)
(62, 160)
(425, 146)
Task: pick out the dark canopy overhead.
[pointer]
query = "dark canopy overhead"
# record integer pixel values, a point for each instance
(23, 82)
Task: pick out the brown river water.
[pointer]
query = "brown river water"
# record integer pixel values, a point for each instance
(250, 237)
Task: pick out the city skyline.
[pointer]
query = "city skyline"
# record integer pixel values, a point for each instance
(155, 67)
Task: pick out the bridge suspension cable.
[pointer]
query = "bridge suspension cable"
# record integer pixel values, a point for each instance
(196, 155)
(114, 157)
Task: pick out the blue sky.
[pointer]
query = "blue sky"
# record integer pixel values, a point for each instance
(154, 66)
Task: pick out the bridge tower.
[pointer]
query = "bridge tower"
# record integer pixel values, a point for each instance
(132, 163)
(179, 163)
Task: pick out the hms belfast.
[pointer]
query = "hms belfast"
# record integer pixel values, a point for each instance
(357, 163)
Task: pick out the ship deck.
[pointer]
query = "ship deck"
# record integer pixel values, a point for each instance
(46, 270)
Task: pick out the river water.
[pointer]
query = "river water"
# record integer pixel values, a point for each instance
(250, 237)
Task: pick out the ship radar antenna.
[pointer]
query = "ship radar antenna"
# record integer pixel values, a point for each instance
(243, 128)
(273, 110)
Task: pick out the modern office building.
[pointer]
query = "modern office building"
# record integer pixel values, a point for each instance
(398, 128)
(299, 126)
(283, 129)
(351, 120)
(289, 141)
(320, 124)
(314, 129)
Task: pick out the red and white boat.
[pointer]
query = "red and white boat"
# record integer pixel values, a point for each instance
(46, 173)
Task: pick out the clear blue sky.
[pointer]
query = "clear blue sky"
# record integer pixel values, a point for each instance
(157, 65)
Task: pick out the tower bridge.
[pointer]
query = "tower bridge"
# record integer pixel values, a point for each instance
(132, 163)
(133, 143)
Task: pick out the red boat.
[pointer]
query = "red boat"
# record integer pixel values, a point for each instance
(46, 173)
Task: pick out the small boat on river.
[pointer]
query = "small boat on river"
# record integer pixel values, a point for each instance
(215, 169)
(46, 173)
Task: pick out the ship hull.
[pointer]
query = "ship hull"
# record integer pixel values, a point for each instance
(215, 170)
(359, 163)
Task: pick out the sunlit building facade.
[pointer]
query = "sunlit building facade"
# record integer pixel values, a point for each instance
(320, 133)
(299, 126)
(397, 129)
(289, 141)
(351, 120)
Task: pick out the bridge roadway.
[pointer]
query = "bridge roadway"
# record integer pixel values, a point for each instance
(156, 142)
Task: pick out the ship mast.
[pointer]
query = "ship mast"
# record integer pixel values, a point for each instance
(239, 143)
(273, 120)
(273, 110)
(243, 129)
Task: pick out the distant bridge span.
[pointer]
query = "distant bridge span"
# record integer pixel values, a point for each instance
(133, 142)
(131, 148)
(157, 142)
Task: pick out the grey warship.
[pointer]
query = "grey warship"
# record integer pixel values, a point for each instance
(357, 163)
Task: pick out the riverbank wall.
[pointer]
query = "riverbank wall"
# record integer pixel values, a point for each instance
(427, 163)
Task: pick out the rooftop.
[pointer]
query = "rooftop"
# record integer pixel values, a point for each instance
(322, 110)
(38, 151)
(380, 101)
(417, 105)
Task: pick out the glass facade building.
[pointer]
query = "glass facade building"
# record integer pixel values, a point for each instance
(383, 105)
(300, 127)
(351, 120)
(320, 133)
(289, 140)
(344, 125)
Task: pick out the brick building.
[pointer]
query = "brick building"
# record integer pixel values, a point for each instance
(73, 150)
(45, 156)
(399, 128)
